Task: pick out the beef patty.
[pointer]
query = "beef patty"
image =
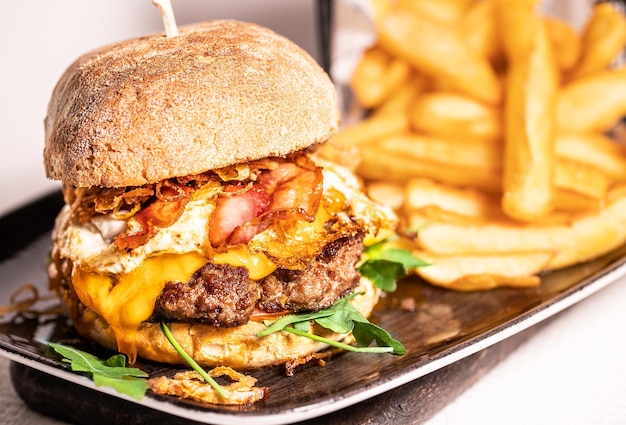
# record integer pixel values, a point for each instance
(225, 296)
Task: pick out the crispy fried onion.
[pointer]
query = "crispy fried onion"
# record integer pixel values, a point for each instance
(289, 190)
(318, 358)
(165, 209)
(23, 300)
(122, 202)
(190, 385)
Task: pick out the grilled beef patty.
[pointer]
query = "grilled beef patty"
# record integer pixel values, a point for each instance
(225, 296)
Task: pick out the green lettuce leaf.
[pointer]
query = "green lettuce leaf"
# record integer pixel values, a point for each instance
(111, 372)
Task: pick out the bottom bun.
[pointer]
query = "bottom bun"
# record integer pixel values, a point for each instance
(239, 347)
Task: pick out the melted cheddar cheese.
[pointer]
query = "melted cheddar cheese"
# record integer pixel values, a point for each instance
(127, 301)
(258, 264)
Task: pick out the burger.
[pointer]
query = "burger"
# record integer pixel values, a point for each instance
(195, 195)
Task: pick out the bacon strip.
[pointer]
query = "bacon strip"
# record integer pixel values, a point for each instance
(232, 211)
(294, 190)
(299, 190)
(163, 212)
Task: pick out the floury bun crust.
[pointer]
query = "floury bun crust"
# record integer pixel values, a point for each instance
(238, 347)
(157, 107)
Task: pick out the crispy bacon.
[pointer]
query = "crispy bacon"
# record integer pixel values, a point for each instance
(162, 212)
(254, 196)
(289, 190)
(234, 208)
(299, 192)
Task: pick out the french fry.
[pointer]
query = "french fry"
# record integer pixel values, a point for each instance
(448, 114)
(604, 38)
(531, 88)
(371, 129)
(517, 24)
(377, 75)
(432, 214)
(421, 193)
(597, 233)
(490, 237)
(484, 272)
(573, 201)
(379, 164)
(479, 30)
(463, 153)
(594, 103)
(439, 53)
(391, 117)
(566, 42)
(594, 150)
(401, 100)
(579, 187)
(387, 193)
(582, 179)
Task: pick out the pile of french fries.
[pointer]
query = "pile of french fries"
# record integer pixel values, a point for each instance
(491, 133)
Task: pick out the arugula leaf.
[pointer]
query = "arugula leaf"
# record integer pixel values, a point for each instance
(111, 372)
(384, 265)
(341, 318)
(191, 362)
(383, 273)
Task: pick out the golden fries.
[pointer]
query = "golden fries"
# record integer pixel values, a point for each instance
(581, 179)
(387, 193)
(377, 76)
(480, 31)
(397, 167)
(421, 42)
(603, 39)
(480, 272)
(422, 193)
(573, 201)
(595, 233)
(531, 88)
(498, 142)
(464, 153)
(576, 110)
(566, 41)
(594, 150)
(572, 238)
(392, 117)
(449, 114)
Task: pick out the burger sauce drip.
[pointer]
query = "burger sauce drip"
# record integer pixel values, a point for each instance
(291, 190)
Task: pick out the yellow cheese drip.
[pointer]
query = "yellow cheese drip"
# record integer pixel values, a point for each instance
(258, 264)
(129, 301)
(308, 232)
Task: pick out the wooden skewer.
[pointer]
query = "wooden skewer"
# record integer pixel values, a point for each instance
(167, 13)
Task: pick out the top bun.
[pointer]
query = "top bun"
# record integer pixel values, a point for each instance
(157, 107)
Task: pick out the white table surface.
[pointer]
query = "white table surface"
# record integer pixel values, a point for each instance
(573, 371)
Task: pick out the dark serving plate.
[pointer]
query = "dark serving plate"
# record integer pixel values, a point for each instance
(442, 334)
